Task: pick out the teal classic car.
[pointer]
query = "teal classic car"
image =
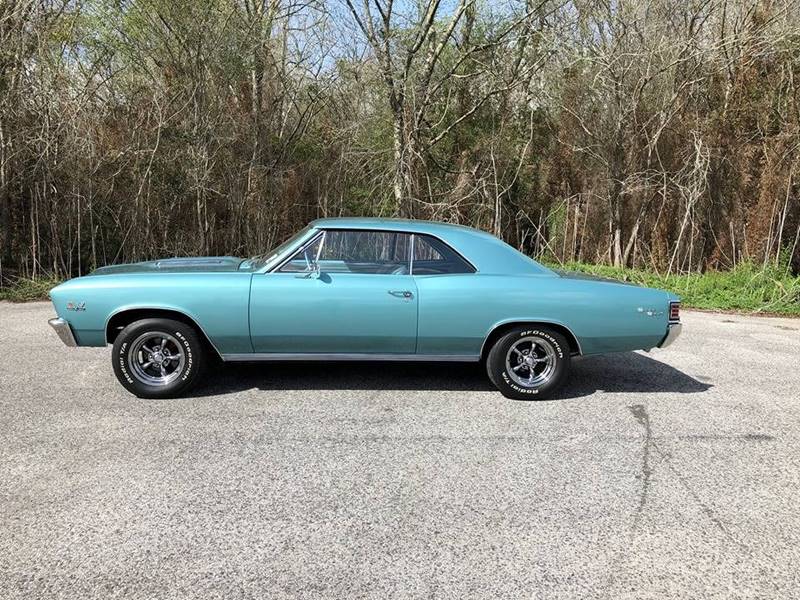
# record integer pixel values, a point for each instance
(359, 289)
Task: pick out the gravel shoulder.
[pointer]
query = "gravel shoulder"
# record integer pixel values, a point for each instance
(660, 475)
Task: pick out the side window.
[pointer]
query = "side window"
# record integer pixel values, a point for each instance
(433, 257)
(356, 251)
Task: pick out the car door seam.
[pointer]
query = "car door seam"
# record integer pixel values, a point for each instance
(250, 312)
(416, 333)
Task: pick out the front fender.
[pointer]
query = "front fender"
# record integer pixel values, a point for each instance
(216, 302)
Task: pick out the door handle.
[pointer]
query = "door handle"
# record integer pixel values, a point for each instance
(401, 294)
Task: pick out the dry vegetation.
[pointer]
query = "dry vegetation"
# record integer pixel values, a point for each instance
(656, 134)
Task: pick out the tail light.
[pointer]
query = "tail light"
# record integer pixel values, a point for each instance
(674, 311)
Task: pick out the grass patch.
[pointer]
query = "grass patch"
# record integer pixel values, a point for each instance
(747, 288)
(27, 290)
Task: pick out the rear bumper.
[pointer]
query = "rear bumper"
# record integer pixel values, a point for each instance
(63, 330)
(673, 331)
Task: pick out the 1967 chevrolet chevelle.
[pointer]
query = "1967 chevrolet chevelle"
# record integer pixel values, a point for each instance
(359, 289)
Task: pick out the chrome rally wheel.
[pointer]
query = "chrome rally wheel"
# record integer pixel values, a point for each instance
(529, 363)
(158, 358)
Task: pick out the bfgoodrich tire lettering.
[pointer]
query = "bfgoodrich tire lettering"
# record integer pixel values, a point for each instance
(529, 363)
(157, 358)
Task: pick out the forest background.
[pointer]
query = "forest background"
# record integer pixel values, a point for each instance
(651, 140)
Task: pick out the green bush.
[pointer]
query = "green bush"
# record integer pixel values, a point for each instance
(747, 288)
(27, 290)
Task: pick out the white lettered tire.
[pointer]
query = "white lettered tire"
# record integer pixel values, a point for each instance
(529, 363)
(158, 358)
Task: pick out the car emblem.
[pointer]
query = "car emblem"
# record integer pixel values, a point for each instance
(77, 306)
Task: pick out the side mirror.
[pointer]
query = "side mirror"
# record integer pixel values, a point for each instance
(312, 273)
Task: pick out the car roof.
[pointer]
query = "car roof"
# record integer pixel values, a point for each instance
(388, 224)
(488, 253)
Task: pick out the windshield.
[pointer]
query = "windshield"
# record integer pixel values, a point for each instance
(259, 260)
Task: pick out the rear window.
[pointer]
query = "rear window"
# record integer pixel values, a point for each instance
(433, 257)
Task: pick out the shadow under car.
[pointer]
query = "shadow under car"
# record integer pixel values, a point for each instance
(629, 372)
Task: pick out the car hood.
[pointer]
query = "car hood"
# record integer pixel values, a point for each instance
(207, 264)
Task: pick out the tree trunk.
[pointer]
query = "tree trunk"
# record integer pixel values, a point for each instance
(398, 184)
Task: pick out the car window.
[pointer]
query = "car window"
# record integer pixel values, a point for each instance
(433, 257)
(356, 251)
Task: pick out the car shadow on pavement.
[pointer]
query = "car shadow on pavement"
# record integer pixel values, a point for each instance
(619, 373)
(627, 372)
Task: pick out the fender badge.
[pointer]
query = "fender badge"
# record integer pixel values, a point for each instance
(76, 306)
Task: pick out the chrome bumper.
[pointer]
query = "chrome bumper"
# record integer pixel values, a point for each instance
(673, 331)
(63, 330)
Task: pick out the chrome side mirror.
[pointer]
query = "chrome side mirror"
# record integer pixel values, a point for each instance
(312, 273)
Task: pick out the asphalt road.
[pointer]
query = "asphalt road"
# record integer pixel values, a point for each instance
(662, 475)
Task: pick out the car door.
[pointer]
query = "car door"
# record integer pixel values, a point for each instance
(345, 292)
(454, 303)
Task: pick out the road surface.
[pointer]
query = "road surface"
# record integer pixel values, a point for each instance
(662, 475)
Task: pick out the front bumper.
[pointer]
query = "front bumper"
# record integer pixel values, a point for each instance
(673, 331)
(63, 330)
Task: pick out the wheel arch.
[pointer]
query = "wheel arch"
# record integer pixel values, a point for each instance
(500, 329)
(123, 317)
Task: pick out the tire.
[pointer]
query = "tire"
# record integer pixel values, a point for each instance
(151, 369)
(550, 361)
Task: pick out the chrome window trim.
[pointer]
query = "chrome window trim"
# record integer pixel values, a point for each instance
(279, 265)
(347, 356)
(323, 232)
(311, 240)
(321, 246)
(411, 254)
(267, 266)
(456, 252)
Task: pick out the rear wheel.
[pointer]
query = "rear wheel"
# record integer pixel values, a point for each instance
(157, 358)
(529, 363)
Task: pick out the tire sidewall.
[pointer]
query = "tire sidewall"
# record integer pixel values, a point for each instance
(182, 332)
(503, 380)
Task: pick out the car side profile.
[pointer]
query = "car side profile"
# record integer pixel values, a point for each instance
(360, 289)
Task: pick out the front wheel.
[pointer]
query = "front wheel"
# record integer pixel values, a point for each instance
(529, 363)
(157, 358)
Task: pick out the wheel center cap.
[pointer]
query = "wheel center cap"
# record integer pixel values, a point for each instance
(158, 358)
(529, 360)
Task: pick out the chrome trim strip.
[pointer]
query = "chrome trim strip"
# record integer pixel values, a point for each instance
(333, 356)
(412, 233)
(64, 331)
(291, 253)
(673, 331)
(456, 252)
(321, 246)
(411, 254)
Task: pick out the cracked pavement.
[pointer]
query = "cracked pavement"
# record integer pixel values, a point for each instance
(661, 475)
